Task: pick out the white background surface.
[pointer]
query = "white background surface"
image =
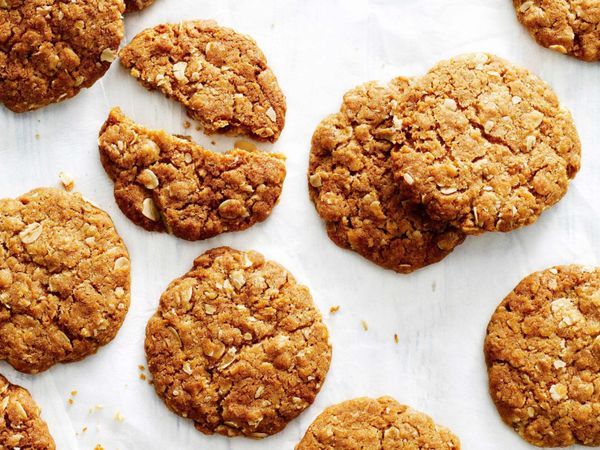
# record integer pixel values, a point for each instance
(318, 49)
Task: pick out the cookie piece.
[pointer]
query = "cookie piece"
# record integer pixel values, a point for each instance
(137, 5)
(352, 185)
(375, 424)
(167, 183)
(237, 346)
(487, 146)
(567, 26)
(21, 424)
(542, 351)
(220, 76)
(64, 279)
(51, 49)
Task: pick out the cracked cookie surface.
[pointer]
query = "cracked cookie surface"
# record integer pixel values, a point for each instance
(167, 183)
(351, 183)
(487, 146)
(137, 5)
(51, 49)
(220, 76)
(375, 424)
(566, 26)
(237, 345)
(21, 424)
(64, 279)
(543, 356)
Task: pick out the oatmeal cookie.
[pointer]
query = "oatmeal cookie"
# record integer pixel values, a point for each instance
(220, 76)
(567, 26)
(352, 185)
(137, 5)
(167, 183)
(64, 279)
(487, 146)
(375, 424)
(543, 356)
(237, 345)
(51, 49)
(21, 424)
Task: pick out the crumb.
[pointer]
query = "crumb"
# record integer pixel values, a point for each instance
(84, 429)
(95, 409)
(198, 128)
(141, 367)
(365, 325)
(142, 376)
(334, 309)
(245, 145)
(119, 417)
(98, 447)
(187, 124)
(213, 142)
(70, 401)
(37, 135)
(66, 180)
(395, 338)
(73, 393)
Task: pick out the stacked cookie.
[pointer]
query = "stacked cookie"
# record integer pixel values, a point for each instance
(403, 173)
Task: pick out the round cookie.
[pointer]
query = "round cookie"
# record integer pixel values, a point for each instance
(51, 49)
(543, 355)
(567, 26)
(64, 279)
(352, 185)
(21, 425)
(137, 5)
(487, 146)
(237, 346)
(220, 76)
(375, 424)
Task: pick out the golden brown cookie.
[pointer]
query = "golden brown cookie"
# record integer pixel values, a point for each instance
(237, 345)
(137, 5)
(487, 146)
(21, 424)
(51, 49)
(376, 424)
(220, 76)
(567, 26)
(64, 279)
(167, 183)
(543, 356)
(352, 185)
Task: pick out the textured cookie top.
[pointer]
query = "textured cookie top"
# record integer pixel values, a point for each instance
(21, 425)
(487, 146)
(567, 26)
(352, 185)
(542, 350)
(220, 76)
(64, 279)
(137, 5)
(51, 49)
(237, 346)
(167, 183)
(375, 424)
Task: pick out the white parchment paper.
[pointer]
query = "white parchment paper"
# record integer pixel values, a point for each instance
(318, 49)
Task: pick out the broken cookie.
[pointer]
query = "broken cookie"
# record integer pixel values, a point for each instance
(167, 183)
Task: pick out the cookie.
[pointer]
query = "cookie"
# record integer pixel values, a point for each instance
(137, 5)
(167, 183)
(21, 424)
(486, 144)
(237, 346)
(51, 49)
(351, 183)
(221, 77)
(375, 424)
(567, 26)
(542, 351)
(64, 279)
